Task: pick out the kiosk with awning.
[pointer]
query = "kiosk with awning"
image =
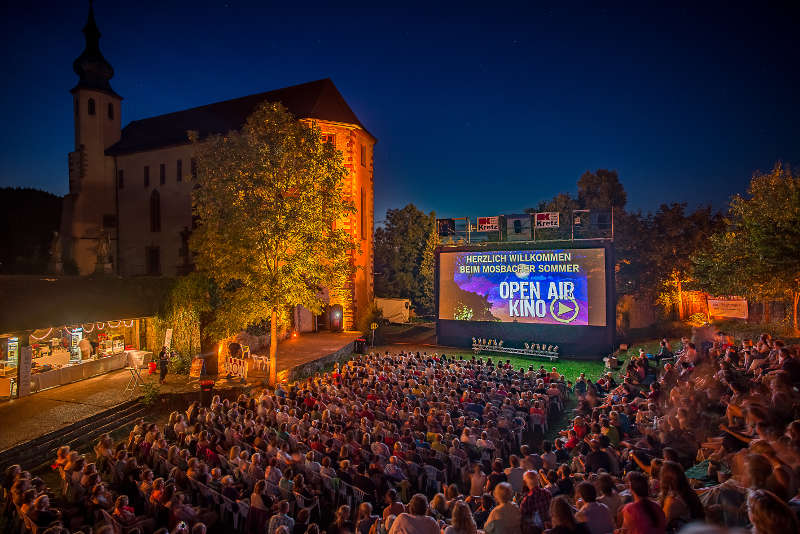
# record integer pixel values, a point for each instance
(74, 327)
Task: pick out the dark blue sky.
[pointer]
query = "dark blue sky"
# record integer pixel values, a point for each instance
(478, 111)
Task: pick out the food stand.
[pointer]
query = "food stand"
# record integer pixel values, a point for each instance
(61, 355)
(73, 327)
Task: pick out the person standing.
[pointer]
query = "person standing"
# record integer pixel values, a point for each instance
(163, 360)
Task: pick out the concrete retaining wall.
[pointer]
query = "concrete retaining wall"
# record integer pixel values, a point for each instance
(315, 366)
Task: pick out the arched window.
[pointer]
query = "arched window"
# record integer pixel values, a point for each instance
(91, 106)
(155, 211)
(111, 111)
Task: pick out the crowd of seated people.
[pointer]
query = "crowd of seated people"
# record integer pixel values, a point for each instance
(418, 443)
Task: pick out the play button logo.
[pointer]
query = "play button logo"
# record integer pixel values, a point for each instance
(564, 310)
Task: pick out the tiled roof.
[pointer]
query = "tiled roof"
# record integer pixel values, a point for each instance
(313, 100)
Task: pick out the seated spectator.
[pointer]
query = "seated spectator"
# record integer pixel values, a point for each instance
(461, 521)
(642, 516)
(595, 515)
(281, 519)
(564, 521)
(415, 521)
(505, 517)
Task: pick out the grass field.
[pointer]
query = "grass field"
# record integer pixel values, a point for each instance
(572, 368)
(567, 367)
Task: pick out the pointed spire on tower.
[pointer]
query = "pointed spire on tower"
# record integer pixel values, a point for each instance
(93, 70)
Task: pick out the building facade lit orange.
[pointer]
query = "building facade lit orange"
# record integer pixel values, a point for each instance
(130, 188)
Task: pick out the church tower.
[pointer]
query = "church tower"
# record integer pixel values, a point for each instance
(89, 225)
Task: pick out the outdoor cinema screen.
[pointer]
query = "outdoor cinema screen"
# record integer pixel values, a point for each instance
(556, 287)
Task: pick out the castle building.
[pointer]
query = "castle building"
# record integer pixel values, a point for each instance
(129, 207)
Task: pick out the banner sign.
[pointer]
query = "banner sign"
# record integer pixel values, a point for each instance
(547, 219)
(236, 367)
(735, 309)
(488, 224)
(168, 338)
(24, 372)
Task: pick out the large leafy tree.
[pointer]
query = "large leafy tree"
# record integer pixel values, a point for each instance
(601, 190)
(401, 245)
(267, 203)
(763, 238)
(564, 204)
(427, 272)
(676, 236)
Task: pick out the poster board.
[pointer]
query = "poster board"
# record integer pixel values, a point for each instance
(488, 224)
(733, 308)
(547, 219)
(168, 338)
(236, 367)
(24, 372)
(198, 367)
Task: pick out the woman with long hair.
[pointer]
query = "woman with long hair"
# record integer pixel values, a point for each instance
(678, 500)
(342, 523)
(461, 521)
(643, 515)
(438, 507)
(770, 514)
(563, 519)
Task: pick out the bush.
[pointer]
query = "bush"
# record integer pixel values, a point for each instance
(150, 392)
(180, 364)
(374, 316)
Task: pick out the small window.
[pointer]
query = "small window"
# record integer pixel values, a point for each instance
(517, 226)
(155, 211)
(109, 221)
(162, 174)
(179, 171)
(152, 260)
(120, 179)
(363, 155)
(146, 176)
(91, 106)
(329, 138)
(193, 168)
(111, 111)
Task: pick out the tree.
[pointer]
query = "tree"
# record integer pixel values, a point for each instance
(427, 272)
(400, 247)
(675, 238)
(601, 190)
(765, 225)
(727, 267)
(564, 204)
(267, 203)
(27, 222)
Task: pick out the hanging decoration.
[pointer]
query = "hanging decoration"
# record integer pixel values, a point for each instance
(36, 338)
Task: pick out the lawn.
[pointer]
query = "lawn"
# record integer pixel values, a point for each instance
(568, 367)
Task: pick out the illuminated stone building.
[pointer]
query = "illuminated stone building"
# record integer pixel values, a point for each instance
(130, 188)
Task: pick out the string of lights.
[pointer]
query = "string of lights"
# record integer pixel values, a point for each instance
(87, 328)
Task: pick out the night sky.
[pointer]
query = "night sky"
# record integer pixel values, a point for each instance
(476, 112)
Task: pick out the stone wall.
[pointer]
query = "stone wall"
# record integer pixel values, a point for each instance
(309, 368)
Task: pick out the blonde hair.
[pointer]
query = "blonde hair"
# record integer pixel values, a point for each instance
(462, 519)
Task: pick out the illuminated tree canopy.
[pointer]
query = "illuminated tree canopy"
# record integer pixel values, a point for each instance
(267, 202)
